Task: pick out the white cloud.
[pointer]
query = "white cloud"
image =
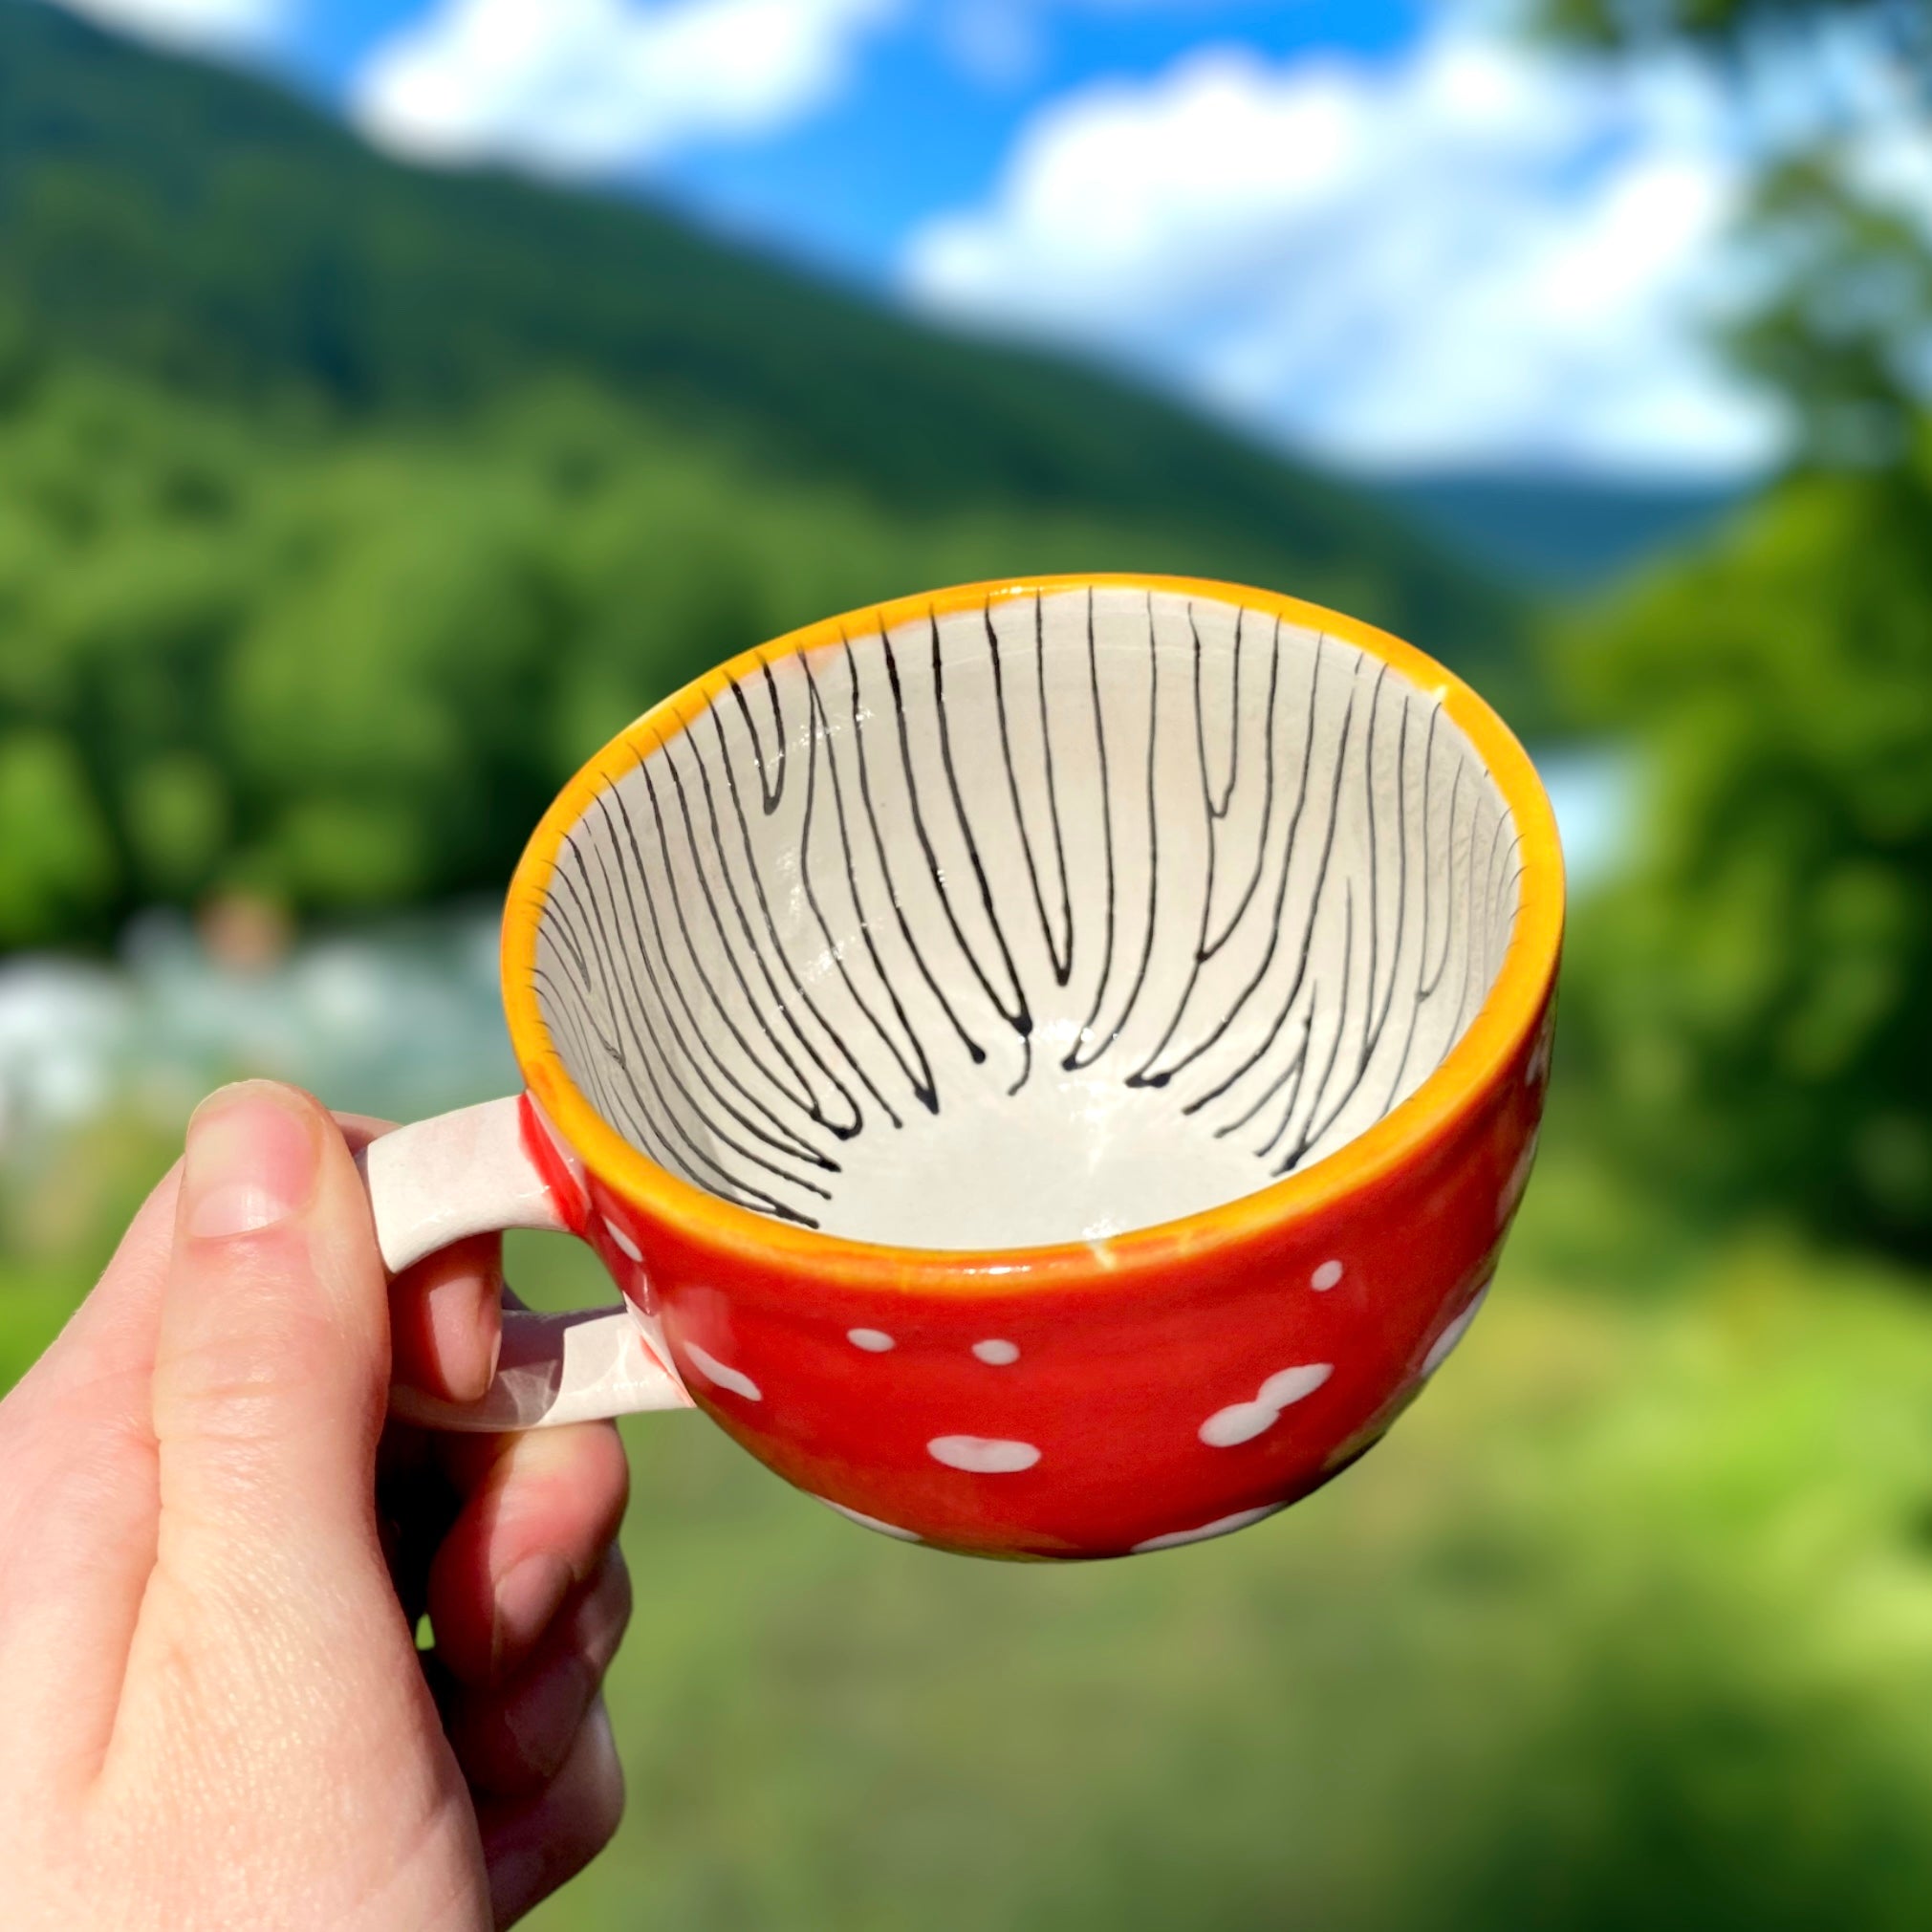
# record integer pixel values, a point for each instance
(1472, 253)
(586, 86)
(224, 24)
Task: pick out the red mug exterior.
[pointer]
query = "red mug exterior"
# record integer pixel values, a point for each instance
(1086, 1398)
(1042, 1412)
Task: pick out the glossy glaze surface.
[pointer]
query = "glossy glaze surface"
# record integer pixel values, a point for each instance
(1180, 1371)
(1034, 922)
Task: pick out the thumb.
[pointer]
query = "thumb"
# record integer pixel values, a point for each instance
(272, 1364)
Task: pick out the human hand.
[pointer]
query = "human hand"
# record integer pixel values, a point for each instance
(213, 1553)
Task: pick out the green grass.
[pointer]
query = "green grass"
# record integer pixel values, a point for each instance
(1628, 1623)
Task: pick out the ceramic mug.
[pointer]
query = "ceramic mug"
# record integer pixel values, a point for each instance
(1050, 1065)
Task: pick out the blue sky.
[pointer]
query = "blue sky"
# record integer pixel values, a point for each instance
(931, 106)
(1384, 231)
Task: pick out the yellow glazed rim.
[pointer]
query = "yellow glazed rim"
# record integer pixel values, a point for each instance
(1469, 1070)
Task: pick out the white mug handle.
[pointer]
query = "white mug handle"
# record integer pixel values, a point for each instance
(469, 1172)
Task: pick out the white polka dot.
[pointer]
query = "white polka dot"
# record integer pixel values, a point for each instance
(1440, 1348)
(998, 1353)
(1222, 1526)
(713, 1370)
(873, 1340)
(866, 1521)
(1290, 1385)
(982, 1455)
(1242, 1422)
(1519, 1179)
(1326, 1275)
(623, 1242)
(1539, 1054)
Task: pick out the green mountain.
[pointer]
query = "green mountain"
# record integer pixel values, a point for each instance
(215, 233)
(345, 506)
(1563, 533)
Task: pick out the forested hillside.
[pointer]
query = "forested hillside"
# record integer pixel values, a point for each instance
(206, 230)
(346, 504)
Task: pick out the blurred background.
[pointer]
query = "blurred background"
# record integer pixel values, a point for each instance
(397, 396)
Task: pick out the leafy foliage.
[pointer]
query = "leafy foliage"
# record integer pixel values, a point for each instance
(204, 230)
(1844, 330)
(348, 669)
(343, 507)
(1731, 26)
(1755, 994)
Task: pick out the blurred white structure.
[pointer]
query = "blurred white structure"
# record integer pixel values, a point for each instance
(400, 1019)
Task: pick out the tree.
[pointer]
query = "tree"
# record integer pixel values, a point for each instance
(1753, 998)
(1737, 29)
(1840, 228)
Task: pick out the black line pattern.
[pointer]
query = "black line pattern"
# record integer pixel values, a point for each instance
(1099, 850)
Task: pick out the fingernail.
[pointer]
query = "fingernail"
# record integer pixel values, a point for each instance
(526, 1599)
(543, 1717)
(252, 1154)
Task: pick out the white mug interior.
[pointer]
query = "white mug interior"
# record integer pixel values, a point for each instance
(1037, 923)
